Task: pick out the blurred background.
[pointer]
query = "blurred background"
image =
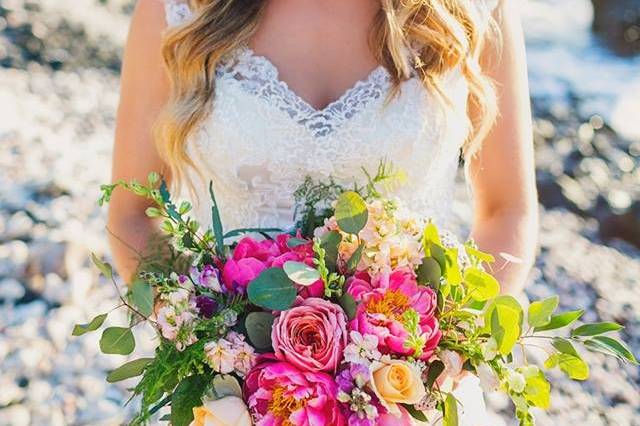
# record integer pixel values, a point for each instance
(59, 63)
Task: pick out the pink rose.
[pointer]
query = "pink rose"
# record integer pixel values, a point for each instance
(384, 311)
(279, 394)
(311, 336)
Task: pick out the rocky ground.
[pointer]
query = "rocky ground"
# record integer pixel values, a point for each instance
(58, 93)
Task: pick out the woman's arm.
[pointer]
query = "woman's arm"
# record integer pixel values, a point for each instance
(503, 172)
(143, 93)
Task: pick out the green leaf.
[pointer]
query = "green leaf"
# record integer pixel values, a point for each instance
(329, 243)
(504, 315)
(611, 346)
(130, 369)
(415, 413)
(596, 329)
(259, 326)
(351, 212)
(295, 242)
(430, 238)
(480, 255)
(429, 272)
(216, 222)
(188, 394)
(435, 369)
(117, 340)
(560, 320)
(301, 273)
(450, 411)
(93, 325)
(142, 297)
(272, 290)
(564, 346)
(263, 231)
(452, 273)
(348, 305)
(538, 390)
(540, 311)
(354, 260)
(482, 286)
(104, 267)
(573, 366)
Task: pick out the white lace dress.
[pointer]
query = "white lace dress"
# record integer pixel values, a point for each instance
(261, 140)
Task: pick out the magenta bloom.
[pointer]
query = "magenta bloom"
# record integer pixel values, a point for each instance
(386, 306)
(251, 257)
(311, 336)
(279, 394)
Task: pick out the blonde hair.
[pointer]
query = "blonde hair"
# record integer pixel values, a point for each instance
(441, 34)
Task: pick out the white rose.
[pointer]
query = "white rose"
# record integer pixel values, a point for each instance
(227, 411)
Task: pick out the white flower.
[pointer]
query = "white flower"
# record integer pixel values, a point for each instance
(489, 381)
(177, 297)
(361, 349)
(452, 362)
(221, 356)
(490, 349)
(515, 381)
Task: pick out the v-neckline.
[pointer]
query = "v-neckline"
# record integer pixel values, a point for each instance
(378, 73)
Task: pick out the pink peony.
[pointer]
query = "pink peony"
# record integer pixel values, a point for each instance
(311, 336)
(251, 257)
(386, 306)
(279, 394)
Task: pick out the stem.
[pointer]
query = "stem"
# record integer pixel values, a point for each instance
(160, 404)
(125, 303)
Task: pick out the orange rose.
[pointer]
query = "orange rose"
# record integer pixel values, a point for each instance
(396, 382)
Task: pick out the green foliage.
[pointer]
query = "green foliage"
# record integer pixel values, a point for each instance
(128, 370)
(355, 258)
(482, 286)
(595, 329)
(611, 346)
(187, 395)
(504, 317)
(333, 282)
(272, 289)
(561, 320)
(540, 311)
(93, 325)
(348, 305)
(450, 411)
(429, 272)
(216, 222)
(329, 244)
(104, 267)
(312, 199)
(435, 370)
(117, 340)
(259, 326)
(351, 212)
(568, 359)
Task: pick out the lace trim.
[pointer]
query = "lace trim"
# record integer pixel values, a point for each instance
(258, 76)
(177, 12)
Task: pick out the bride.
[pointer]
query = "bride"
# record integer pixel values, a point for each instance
(255, 95)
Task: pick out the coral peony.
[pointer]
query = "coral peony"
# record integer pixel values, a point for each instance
(279, 394)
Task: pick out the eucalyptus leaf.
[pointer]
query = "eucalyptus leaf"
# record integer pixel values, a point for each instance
(117, 340)
(348, 305)
(128, 370)
(272, 290)
(561, 320)
(301, 273)
(596, 329)
(93, 325)
(429, 272)
(504, 315)
(452, 273)
(450, 411)
(142, 297)
(480, 255)
(611, 346)
(104, 267)
(355, 258)
(435, 369)
(482, 286)
(216, 222)
(540, 311)
(351, 212)
(296, 242)
(538, 390)
(415, 413)
(259, 326)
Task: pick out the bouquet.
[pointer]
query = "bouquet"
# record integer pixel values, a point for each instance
(361, 315)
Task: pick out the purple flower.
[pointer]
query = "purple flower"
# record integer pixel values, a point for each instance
(207, 277)
(206, 306)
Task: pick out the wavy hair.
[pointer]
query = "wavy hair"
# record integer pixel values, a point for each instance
(441, 35)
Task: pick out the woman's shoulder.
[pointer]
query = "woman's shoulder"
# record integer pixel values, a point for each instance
(177, 12)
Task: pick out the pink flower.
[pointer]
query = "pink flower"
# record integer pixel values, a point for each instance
(398, 311)
(251, 257)
(311, 336)
(279, 394)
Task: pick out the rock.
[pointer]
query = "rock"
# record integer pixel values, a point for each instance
(618, 23)
(11, 290)
(51, 257)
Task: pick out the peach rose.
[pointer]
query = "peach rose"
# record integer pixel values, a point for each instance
(396, 382)
(227, 411)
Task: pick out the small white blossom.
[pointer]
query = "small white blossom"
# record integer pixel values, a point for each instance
(361, 349)
(515, 381)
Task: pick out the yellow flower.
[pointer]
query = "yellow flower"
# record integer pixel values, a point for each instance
(227, 411)
(396, 382)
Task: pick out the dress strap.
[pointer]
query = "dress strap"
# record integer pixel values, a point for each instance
(177, 12)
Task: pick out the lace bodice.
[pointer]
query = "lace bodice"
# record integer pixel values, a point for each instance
(261, 140)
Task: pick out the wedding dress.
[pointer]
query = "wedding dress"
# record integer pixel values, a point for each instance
(261, 140)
